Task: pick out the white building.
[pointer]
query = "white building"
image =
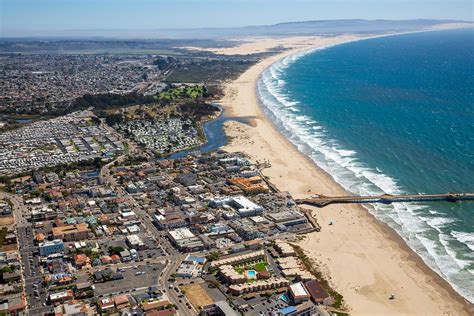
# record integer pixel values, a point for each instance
(185, 240)
(243, 206)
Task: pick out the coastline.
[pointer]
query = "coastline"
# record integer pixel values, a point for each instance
(364, 259)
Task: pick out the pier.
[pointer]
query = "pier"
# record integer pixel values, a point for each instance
(321, 200)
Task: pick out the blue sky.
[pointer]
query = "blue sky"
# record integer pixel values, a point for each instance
(24, 17)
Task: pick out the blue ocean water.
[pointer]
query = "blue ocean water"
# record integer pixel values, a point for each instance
(393, 114)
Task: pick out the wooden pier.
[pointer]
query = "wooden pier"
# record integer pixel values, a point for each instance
(321, 200)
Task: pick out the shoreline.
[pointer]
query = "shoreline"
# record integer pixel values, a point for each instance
(362, 296)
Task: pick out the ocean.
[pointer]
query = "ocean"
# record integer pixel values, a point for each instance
(392, 114)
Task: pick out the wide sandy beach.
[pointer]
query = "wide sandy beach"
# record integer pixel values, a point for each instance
(364, 259)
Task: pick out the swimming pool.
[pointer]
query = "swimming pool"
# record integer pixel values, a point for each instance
(251, 274)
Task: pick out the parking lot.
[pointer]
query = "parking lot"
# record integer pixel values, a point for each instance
(134, 276)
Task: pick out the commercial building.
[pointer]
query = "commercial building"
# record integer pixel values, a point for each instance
(188, 270)
(61, 296)
(243, 206)
(298, 293)
(220, 308)
(318, 294)
(135, 242)
(185, 240)
(250, 185)
(74, 232)
(50, 247)
(304, 309)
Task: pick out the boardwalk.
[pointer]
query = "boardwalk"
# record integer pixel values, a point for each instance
(321, 200)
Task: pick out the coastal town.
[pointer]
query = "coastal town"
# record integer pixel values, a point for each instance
(206, 234)
(115, 199)
(98, 218)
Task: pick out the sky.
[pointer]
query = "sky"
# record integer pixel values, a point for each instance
(50, 17)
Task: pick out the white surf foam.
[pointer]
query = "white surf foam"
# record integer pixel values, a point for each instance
(343, 165)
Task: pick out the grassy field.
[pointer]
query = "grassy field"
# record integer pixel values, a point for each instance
(182, 92)
(259, 267)
(196, 295)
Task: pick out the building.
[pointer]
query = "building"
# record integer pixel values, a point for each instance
(195, 259)
(185, 240)
(240, 259)
(245, 229)
(73, 308)
(105, 304)
(288, 218)
(259, 285)
(318, 294)
(250, 185)
(304, 309)
(50, 247)
(61, 297)
(220, 308)
(8, 277)
(243, 206)
(228, 273)
(135, 242)
(188, 270)
(284, 249)
(121, 301)
(298, 293)
(74, 232)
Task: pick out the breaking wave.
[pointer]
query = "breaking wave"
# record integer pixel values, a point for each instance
(425, 231)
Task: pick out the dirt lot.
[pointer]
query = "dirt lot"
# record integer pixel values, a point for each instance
(9, 248)
(196, 295)
(6, 220)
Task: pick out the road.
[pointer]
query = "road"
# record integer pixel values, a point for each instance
(36, 294)
(173, 260)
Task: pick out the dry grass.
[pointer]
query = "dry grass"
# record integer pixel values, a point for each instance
(196, 295)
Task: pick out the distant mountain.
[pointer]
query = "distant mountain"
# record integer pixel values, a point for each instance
(321, 27)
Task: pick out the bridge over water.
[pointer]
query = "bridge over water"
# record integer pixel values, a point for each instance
(321, 200)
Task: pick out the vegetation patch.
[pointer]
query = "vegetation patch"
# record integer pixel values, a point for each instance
(313, 269)
(258, 266)
(183, 92)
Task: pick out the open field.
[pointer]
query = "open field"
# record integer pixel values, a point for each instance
(196, 295)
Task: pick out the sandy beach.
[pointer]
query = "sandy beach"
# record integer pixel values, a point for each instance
(364, 259)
